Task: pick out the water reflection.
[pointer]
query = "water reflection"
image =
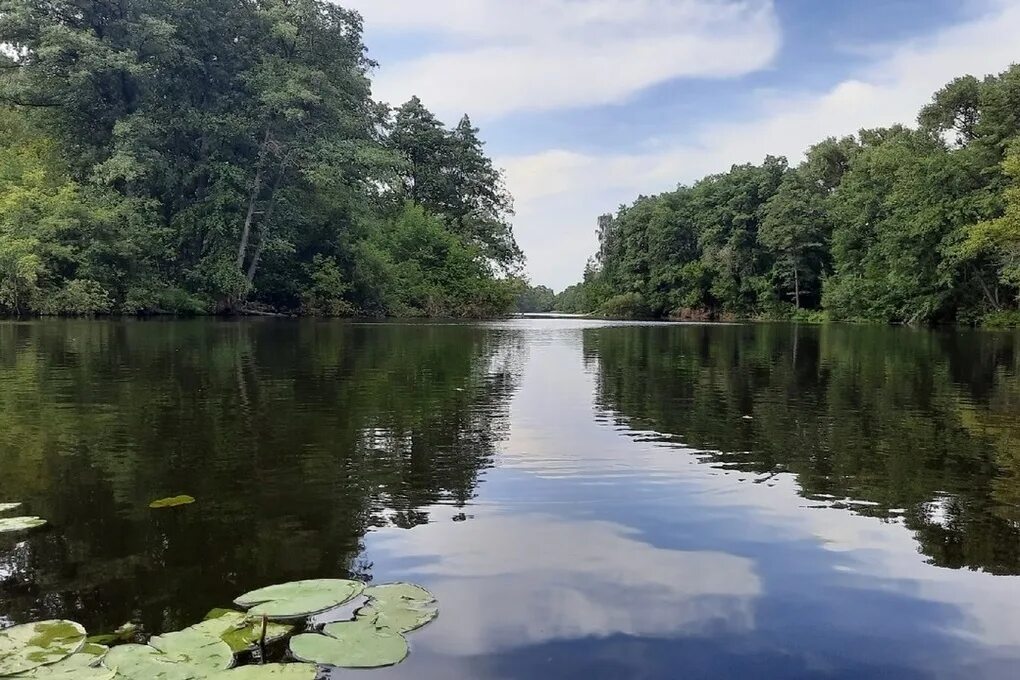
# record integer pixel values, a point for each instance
(295, 438)
(913, 423)
(587, 500)
(551, 579)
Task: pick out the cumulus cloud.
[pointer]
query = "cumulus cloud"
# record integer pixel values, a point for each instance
(560, 192)
(496, 57)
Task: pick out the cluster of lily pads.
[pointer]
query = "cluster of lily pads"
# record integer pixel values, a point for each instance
(374, 637)
(9, 524)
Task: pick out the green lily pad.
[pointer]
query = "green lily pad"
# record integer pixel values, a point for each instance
(142, 662)
(82, 665)
(184, 655)
(172, 502)
(8, 524)
(195, 647)
(7, 507)
(402, 607)
(31, 645)
(300, 598)
(271, 671)
(239, 630)
(351, 644)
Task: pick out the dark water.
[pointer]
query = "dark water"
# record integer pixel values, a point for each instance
(586, 500)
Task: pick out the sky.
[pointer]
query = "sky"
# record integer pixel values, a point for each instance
(587, 104)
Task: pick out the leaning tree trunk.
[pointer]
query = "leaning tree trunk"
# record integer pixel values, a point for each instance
(253, 200)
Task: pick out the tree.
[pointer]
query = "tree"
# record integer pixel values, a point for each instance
(536, 299)
(210, 156)
(796, 230)
(999, 239)
(448, 173)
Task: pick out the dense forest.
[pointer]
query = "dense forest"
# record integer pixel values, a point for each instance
(159, 156)
(898, 224)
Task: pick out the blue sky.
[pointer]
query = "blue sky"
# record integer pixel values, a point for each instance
(587, 103)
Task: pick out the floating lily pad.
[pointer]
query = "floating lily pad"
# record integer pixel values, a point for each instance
(184, 655)
(239, 630)
(172, 502)
(82, 665)
(299, 598)
(196, 647)
(402, 607)
(351, 644)
(7, 507)
(25, 647)
(8, 524)
(272, 671)
(141, 662)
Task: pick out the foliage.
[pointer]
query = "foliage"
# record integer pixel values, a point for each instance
(536, 299)
(144, 169)
(893, 224)
(626, 306)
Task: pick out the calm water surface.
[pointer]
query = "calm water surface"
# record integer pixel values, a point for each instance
(587, 500)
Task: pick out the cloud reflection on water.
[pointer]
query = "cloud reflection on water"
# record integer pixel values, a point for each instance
(507, 581)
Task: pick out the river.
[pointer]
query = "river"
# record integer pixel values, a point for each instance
(586, 499)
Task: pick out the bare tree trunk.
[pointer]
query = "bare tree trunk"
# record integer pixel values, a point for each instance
(256, 189)
(988, 295)
(266, 222)
(796, 287)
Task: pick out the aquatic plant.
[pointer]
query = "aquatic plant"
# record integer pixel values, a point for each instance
(172, 502)
(374, 637)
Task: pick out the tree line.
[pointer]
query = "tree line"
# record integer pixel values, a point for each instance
(897, 224)
(191, 157)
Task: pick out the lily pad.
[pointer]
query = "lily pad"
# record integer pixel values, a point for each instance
(402, 607)
(7, 507)
(8, 524)
(173, 502)
(82, 665)
(195, 647)
(300, 598)
(28, 646)
(141, 662)
(271, 671)
(351, 644)
(239, 630)
(184, 655)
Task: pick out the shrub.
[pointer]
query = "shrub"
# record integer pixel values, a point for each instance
(626, 306)
(80, 297)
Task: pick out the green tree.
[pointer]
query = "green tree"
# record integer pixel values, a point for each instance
(796, 230)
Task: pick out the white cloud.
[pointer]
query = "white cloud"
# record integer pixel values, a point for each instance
(499, 57)
(560, 193)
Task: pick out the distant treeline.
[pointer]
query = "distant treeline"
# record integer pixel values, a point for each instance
(194, 157)
(893, 225)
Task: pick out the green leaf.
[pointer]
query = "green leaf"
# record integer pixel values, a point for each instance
(402, 607)
(82, 665)
(28, 646)
(272, 671)
(10, 524)
(299, 598)
(195, 647)
(7, 507)
(141, 662)
(239, 630)
(172, 502)
(351, 644)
